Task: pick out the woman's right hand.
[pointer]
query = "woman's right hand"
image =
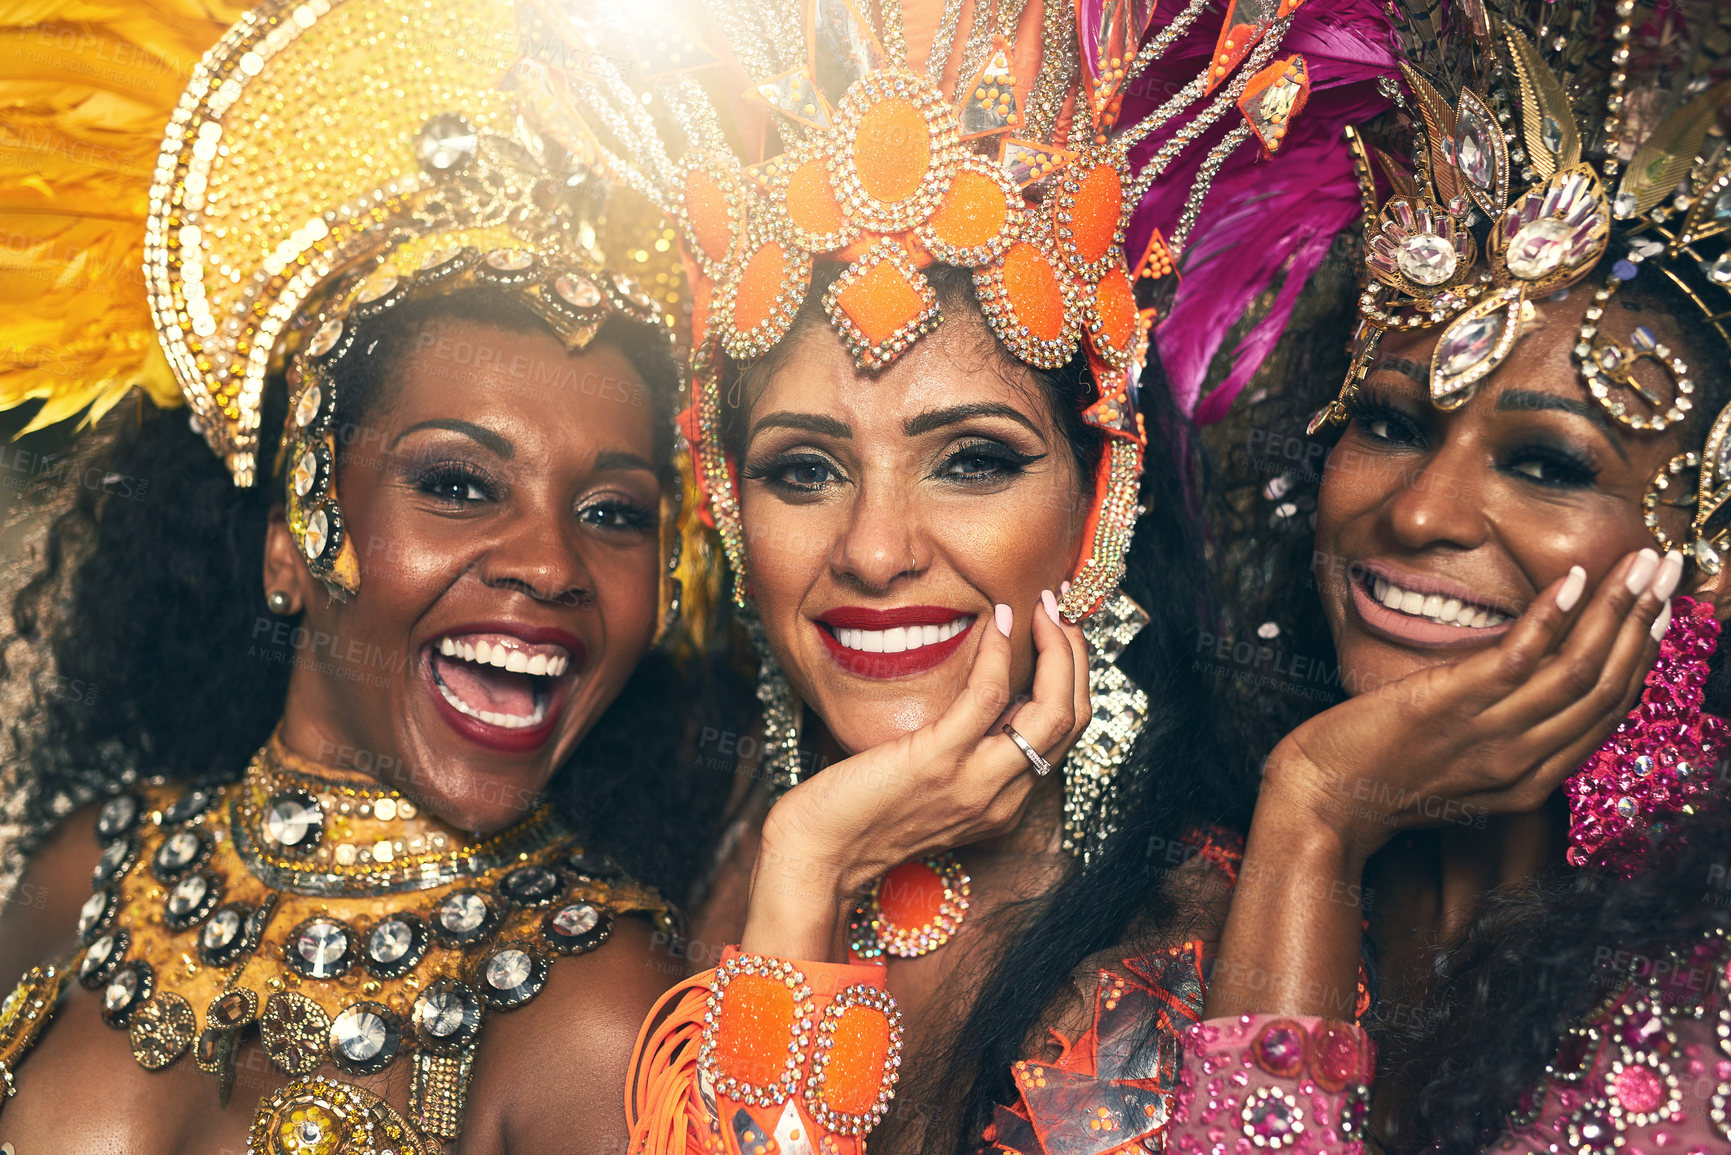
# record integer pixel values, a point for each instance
(952, 782)
(1495, 733)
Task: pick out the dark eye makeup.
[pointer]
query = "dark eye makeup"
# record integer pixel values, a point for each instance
(1540, 458)
(972, 460)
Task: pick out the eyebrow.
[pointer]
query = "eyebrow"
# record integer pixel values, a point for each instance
(1532, 400)
(938, 418)
(488, 439)
(810, 422)
(1405, 368)
(613, 459)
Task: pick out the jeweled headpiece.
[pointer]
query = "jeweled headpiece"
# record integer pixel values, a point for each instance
(1527, 180)
(328, 160)
(899, 142)
(250, 224)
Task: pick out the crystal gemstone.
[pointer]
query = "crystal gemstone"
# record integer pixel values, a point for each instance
(1539, 248)
(1427, 259)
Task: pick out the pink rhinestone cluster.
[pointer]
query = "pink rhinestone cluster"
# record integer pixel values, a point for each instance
(1258, 1083)
(1662, 760)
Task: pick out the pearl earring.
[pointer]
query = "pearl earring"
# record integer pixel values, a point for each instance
(278, 601)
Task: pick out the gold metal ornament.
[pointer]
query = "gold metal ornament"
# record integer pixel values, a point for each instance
(1435, 262)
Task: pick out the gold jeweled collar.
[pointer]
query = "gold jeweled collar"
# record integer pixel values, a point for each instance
(331, 915)
(318, 830)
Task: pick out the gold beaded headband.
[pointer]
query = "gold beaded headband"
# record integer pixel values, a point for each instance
(315, 136)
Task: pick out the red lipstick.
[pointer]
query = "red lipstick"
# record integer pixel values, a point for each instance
(901, 664)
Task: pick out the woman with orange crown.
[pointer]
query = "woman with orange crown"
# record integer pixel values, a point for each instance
(321, 866)
(916, 422)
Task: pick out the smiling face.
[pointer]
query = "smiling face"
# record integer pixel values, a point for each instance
(1436, 529)
(505, 512)
(886, 514)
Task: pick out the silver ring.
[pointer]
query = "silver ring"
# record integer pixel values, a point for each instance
(1041, 766)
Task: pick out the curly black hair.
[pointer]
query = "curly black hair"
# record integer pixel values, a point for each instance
(1536, 956)
(148, 595)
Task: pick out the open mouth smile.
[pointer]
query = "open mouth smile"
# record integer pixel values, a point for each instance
(500, 688)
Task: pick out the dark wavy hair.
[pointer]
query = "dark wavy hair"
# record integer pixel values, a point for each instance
(1539, 955)
(165, 660)
(1186, 768)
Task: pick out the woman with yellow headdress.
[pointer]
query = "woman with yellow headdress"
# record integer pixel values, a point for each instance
(340, 882)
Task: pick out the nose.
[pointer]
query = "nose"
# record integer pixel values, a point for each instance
(880, 541)
(1436, 506)
(541, 560)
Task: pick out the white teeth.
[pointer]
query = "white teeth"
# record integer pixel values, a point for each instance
(503, 721)
(1448, 611)
(504, 657)
(898, 639)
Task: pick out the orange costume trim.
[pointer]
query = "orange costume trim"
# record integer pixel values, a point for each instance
(763, 1055)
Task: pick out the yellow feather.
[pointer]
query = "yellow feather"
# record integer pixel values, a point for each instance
(85, 89)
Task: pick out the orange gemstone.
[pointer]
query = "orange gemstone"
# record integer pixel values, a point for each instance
(706, 208)
(911, 895)
(811, 203)
(1094, 212)
(856, 1062)
(973, 212)
(880, 302)
(892, 149)
(752, 1033)
(759, 286)
(1032, 287)
(1115, 305)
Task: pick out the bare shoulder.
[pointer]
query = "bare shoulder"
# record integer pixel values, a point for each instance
(551, 1076)
(38, 920)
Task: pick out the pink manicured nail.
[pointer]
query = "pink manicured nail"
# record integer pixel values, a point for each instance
(1051, 604)
(1573, 586)
(1642, 571)
(1002, 614)
(1064, 588)
(1661, 623)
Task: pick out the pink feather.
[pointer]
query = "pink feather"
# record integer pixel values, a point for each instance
(1263, 218)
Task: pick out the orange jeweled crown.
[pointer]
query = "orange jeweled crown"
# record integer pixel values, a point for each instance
(998, 151)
